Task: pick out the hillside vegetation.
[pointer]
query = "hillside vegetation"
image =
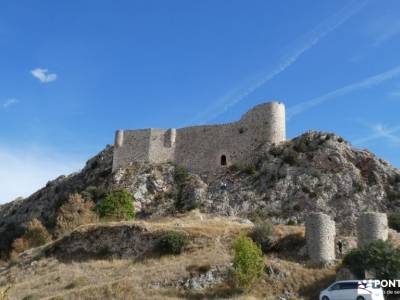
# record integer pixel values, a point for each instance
(103, 262)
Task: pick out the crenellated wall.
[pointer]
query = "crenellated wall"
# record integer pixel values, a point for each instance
(200, 148)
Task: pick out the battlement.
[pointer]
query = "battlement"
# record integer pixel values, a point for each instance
(203, 148)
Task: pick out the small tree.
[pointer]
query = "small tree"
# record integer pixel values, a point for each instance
(118, 205)
(247, 262)
(172, 243)
(261, 234)
(380, 257)
(75, 212)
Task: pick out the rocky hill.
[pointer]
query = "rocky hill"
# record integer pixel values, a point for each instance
(313, 172)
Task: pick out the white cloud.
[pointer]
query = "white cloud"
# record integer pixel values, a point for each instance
(43, 75)
(365, 83)
(23, 172)
(380, 131)
(10, 102)
(309, 40)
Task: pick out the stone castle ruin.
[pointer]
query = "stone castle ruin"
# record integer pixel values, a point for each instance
(203, 148)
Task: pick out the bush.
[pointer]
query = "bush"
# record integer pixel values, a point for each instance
(261, 234)
(172, 243)
(301, 145)
(20, 245)
(291, 157)
(95, 194)
(247, 262)
(181, 175)
(394, 221)
(35, 235)
(249, 169)
(75, 212)
(118, 205)
(380, 257)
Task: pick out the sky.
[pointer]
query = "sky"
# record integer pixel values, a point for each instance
(72, 72)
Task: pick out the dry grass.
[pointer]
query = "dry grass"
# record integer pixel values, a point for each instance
(156, 277)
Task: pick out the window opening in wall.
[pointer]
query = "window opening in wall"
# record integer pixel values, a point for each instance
(223, 160)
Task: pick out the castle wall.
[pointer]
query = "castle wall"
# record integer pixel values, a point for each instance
(134, 146)
(200, 148)
(162, 145)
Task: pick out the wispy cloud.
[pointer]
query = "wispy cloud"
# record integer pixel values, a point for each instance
(379, 131)
(384, 29)
(308, 41)
(24, 171)
(43, 75)
(10, 102)
(365, 83)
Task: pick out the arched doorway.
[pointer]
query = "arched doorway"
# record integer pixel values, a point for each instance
(223, 160)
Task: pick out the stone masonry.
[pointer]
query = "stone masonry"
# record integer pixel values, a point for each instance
(372, 226)
(203, 148)
(320, 237)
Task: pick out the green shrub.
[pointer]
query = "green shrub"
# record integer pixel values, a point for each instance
(118, 205)
(394, 221)
(247, 262)
(261, 234)
(172, 242)
(181, 175)
(301, 145)
(380, 257)
(96, 194)
(249, 169)
(290, 157)
(181, 178)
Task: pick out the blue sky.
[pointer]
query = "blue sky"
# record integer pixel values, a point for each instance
(74, 71)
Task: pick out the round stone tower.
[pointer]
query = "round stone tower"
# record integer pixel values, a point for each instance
(320, 237)
(275, 114)
(119, 138)
(266, 122)
(372, 226)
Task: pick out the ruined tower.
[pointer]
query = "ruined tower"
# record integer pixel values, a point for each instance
(372, 226)
(320, 237)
